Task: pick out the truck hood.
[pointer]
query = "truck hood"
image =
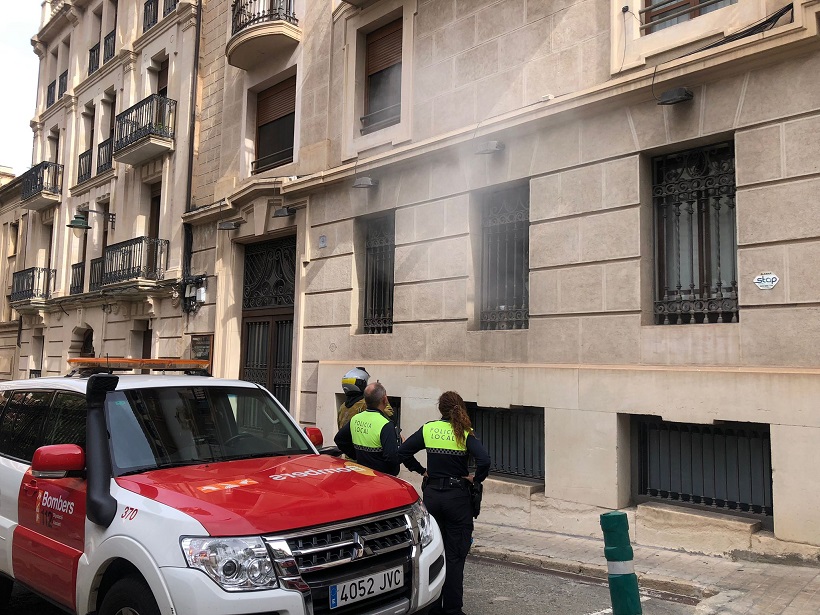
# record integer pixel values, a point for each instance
(272, 494)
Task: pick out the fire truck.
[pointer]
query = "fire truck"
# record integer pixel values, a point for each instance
(185, 494)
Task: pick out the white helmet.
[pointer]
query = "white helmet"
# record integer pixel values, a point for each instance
(355, 380)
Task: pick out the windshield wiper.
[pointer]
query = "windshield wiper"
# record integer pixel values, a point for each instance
(290, 451)
(168, 464)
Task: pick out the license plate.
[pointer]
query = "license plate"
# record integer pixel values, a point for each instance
(366, 587)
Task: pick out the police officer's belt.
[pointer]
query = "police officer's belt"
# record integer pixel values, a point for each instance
(451, 482)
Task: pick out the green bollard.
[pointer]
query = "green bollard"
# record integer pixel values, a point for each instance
(623, 582)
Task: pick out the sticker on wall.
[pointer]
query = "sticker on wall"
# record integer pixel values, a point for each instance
(766, 280)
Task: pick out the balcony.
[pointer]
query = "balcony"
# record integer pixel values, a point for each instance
(150, 15)
(33, 285)
(51, 94)
(359, 3)
(141, 258)
(104, 160)
(261, 30)
(62, 84)
(95, 278)
(77, 278)
(84, 167)
(145, 131)
(94, 59)
(108, 45)
(42, 186)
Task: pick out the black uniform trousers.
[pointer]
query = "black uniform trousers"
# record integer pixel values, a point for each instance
(452, 511)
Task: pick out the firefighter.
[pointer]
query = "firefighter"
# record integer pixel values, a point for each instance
(450, 442)
(372, 439)
(353, 384)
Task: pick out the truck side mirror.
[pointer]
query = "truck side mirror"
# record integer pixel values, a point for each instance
(57, 460)
(314, 434)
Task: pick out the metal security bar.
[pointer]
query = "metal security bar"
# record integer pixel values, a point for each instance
(32, 283)
(95, 274)
(270, 274)
(35, 373)
(282, 362)
(720, 466)
(139, 258)
(514, 438)
(664, 13)
(44, 177)
(152, 116)
(246, 13)
(62, 84)
(104, 159)
(169, 7)
(108, 45)
(77, 279)
(84, 167)
(381, 119)
(94, 59)
(693, 194)
(505, 258)
(150, 14)
(51, 93)
(380, 252)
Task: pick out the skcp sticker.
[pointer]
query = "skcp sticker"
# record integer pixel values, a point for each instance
(231, 484)
(766, 280)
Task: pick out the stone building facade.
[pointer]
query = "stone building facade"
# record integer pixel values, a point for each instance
(95, 248)
(623, 290)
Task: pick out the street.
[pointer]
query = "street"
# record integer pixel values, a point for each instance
(490, 588)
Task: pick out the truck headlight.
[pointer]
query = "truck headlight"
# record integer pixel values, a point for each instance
(235, 564)
(423, 520)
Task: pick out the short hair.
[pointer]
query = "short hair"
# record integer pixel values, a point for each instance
(373, 394)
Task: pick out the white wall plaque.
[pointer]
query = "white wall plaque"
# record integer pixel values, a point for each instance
(766, 280)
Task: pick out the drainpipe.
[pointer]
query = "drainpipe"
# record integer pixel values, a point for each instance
(187, 248)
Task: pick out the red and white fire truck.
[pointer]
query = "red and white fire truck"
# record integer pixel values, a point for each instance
(185, 495)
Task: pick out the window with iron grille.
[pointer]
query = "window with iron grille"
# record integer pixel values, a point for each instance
(693, 194)
(514, 437)
(660, 14)
(725, 467)
(382, 97)
(505, 258)
(380, 248)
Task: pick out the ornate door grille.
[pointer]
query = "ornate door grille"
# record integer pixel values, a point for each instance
(267, 328)
(505, 256)
(695, 245)
(379, 261)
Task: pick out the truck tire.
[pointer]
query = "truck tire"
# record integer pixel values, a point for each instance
(129, 596)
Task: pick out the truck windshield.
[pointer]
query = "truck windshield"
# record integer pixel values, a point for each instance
(177, 426)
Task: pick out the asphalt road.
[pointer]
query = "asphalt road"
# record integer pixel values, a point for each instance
(489, 589)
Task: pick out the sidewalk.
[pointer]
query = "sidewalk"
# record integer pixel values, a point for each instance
(725, 587)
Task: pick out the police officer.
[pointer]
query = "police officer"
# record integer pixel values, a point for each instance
(353, 385)
(371, 439)
(449, 443)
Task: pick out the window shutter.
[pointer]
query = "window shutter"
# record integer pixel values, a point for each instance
(276, 102)
(162, 76)
(383, 47)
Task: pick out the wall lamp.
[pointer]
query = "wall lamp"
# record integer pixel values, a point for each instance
(490, 147)
(284, 212)
(365, 181)
(229, 225)
(80, 223)
(675, 96)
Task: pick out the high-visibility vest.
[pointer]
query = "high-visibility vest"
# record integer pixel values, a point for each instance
(366, 431)
(439, 437)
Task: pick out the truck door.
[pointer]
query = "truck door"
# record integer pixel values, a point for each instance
(50, 536)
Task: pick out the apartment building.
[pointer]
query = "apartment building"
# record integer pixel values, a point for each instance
(96, 251)
(594, 219)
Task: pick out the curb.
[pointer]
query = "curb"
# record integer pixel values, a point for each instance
(549, 564)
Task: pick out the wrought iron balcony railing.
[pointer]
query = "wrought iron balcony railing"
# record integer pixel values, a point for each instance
(77, 278)
(62, 85)
(94, 59)
(169, 7)
(51, 93)
(139, 258)
(44, 177)
(108, 45)
(84, 167)
(32, 283)
(150, 14)
(246, 13)
(155, 115)
(104, 159)
(95, 274)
